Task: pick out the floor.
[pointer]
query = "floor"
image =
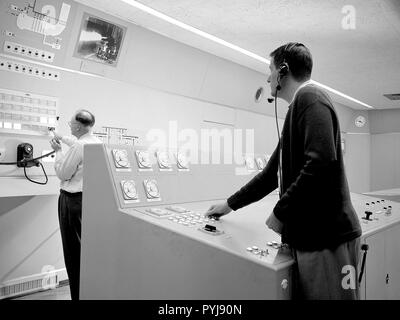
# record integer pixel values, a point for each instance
(59, 293)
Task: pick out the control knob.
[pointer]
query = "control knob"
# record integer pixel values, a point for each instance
(367, 215)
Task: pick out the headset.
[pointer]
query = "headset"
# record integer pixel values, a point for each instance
(283, 68)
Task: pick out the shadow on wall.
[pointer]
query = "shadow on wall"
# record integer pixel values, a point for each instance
(27, 256)
(9, 203)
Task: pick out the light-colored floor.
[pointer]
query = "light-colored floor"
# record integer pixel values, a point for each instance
(60, 293)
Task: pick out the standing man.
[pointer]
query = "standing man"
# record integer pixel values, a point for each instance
(69, 169)
(314, 214)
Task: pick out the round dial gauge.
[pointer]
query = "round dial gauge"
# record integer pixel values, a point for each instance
(121, 158)
(163, 160)
(152, 188)
(129, 189)
(143, 159)
(360, 121)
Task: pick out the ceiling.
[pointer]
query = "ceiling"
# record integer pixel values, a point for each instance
(362, 62)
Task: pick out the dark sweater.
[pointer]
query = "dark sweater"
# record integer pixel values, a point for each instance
(315, 206)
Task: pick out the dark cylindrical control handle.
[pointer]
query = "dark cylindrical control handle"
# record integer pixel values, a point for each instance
(367, 215)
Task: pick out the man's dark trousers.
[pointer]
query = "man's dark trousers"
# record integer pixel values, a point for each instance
(70, 216)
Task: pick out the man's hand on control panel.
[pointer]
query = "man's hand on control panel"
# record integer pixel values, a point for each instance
(218, 210)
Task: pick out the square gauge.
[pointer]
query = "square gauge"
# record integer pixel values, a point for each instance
(260, 163)
(129, 191)
(163, 160)
(151, 189)
(121, 159)
(143, 159)
(249, 161)
(182, 161)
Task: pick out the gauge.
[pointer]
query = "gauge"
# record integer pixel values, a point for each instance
(360, 121)
(182, 161)
(249, 163)
(151, 188)
(143, 159)
(129, 190)
(121, 158)
(163, 160)
(260, 163)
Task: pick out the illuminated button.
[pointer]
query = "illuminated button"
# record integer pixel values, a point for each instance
(254, 247)
(269, 243)
(250, 249)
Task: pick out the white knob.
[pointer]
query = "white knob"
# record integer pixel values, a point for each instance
(284, 284)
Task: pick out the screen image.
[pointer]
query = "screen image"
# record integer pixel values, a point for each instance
(99, 40)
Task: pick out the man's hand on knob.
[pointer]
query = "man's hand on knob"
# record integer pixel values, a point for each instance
(218, 210)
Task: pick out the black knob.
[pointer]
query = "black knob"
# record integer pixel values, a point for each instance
(367, 215)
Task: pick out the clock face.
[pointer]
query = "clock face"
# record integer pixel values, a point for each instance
(151, 188)
(360, 121)
(121, 158)
(129, 189)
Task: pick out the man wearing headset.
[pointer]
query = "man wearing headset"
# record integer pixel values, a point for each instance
(314, 214)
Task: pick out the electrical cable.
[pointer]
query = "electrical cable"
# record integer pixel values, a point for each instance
(37, 182)
(279, 136)
(30, 160)
(36, 162)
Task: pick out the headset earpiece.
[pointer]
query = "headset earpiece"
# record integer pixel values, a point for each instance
(283, 69)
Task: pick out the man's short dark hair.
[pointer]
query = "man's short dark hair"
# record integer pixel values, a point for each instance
(297, 56)
(85, 117)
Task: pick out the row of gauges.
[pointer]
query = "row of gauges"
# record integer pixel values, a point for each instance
(144, 163)
(130, 193)
(256, 163)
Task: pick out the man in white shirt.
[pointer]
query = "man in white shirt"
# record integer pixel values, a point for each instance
(69, 169)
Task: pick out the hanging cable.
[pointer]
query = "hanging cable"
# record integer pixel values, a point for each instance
(278, 87)
(37, 182)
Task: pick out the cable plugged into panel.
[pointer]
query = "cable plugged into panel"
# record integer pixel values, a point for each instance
(25, 156)
(30, 52)
(28, 69)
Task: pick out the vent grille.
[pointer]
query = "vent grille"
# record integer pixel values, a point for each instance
(392, 96)
(28, 285)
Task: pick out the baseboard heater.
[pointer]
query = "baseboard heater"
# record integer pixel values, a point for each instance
(33, 283)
